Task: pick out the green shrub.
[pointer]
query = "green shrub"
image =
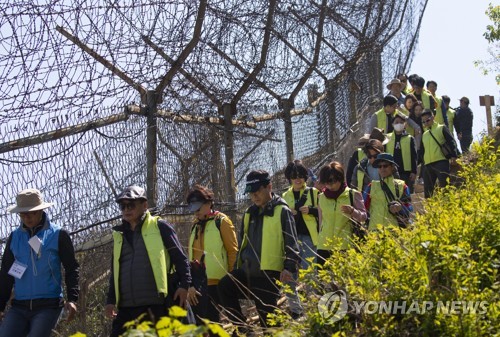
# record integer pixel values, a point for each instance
(452, 253)
(168, 326)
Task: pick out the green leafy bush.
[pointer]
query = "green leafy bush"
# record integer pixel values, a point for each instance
(168, 326)
(452, 253)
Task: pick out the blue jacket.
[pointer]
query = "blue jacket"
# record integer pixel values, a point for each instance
(42, 277)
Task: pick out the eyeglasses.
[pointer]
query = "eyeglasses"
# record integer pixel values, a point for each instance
(427, 120)
(384, 165)
(127, 205)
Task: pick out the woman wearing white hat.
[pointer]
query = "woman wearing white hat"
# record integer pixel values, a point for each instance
(32, 265)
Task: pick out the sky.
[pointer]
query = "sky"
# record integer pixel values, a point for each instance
(451, 39)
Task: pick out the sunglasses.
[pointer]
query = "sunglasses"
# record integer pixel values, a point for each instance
(384, 165)
(427, 120)
(297, 176)
(127, 205)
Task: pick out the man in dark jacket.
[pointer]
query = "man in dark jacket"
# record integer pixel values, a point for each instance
(32, 263)
(144, 247)
(268, 251)
(463, 124)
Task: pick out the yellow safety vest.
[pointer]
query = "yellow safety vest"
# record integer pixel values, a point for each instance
(426, 99)
(336, 229)
(379, 206)
(360, 174)
(361, 154)
(432, 150)
(405, 149)
(272, 254)
(439, 111)
(158, 255)
(213, 246)
(450, 113)
(309, 219)
(382, 119)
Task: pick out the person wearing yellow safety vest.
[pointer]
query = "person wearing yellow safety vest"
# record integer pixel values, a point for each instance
(395, 88)
(450, 113)
(404, 80)
(144, 247)
(440, 113)
(402, 147)
(436, 163)
(413, 123)
(382, 119)
(303, 201)
(357, 156)
(268, 252)
(388, 199)
(360, 154)
(364, 172)
(212, 240)
(423, 95)
(338, 204)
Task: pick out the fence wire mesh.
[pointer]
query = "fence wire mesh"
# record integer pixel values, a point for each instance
(85, 83)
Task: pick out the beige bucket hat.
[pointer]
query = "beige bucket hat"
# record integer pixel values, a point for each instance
(395, 81)
(29, 200)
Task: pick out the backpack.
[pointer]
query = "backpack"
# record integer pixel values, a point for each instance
(217, 219)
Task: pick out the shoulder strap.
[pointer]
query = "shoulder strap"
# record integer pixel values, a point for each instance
(351, 197)
(396, 187)
(387, 191)
(434, 137)
(311, 193)
(218, 220)
(303, 199)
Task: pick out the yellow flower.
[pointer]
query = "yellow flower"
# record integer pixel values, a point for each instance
(176, 311)
(78, 334)
(129, 324)
(144, 326)
(163, 323)
(216, 329)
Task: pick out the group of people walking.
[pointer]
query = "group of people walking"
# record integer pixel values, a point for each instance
(416, 126)
(151, 271)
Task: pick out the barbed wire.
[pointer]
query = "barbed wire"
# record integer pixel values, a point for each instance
(82, 63)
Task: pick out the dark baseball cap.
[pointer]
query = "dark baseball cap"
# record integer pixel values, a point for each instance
(195, 204)
(255, 180)
(132, 192)
(465, 100)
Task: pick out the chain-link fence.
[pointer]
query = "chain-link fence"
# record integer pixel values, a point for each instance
(97, 95)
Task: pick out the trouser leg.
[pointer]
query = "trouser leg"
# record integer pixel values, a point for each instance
(443, 172)
(265, 292)
(213, 310)
(231, 288)
(15, 323)
(430, 177)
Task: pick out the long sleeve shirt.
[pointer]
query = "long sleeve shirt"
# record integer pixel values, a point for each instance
(228, 236)
(250, 255)
(177, 257)
(68, 260)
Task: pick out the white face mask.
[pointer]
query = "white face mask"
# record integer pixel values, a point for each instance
(398, 127)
